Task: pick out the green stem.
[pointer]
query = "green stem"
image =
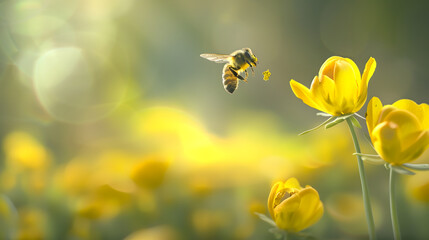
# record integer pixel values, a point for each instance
(393, 208)
(365, 193)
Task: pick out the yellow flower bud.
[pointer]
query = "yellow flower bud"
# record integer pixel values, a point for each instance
(292, 207)
(339, 89)
(399, 132)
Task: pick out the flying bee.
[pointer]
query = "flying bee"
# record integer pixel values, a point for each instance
(236, 63)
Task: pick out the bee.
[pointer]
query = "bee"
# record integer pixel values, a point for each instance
(235, 63)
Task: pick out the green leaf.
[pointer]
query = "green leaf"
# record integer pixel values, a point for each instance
(337, 120)
(266, 219)
(402, 170)
(355, 122)
(317, 127)
(420, 167)
(333, 123)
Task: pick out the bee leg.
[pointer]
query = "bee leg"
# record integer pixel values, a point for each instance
(236, 74)
(246, 76)
(253, 72)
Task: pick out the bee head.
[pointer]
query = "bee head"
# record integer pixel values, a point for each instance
(249, 55)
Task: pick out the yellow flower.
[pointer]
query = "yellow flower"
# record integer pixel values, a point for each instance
(339, 89)
(399, 132)
(292, 207)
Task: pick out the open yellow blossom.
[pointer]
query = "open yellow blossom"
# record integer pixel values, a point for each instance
(399, 132)
(292, 207)
(339, 89)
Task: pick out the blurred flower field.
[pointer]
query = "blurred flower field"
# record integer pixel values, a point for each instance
(113, 127)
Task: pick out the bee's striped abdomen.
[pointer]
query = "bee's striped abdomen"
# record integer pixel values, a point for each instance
(230, 81)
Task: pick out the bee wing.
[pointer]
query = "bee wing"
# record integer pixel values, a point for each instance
(218, 58)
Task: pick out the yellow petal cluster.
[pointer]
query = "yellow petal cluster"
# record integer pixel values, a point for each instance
(292, 207)
(339, 88)
(399, 132)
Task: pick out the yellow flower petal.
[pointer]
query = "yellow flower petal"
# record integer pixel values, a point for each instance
(386, 141)
(303, 93)
(406, 123)
(373, 113)
(367, 73)
(420, 111)
(285, 213)
(292, 183)
(363, 86)
(416, 148)
(312, 211)
(323, 89)
(272, 196)
(355, 70)
(346, 80)
(327, 67)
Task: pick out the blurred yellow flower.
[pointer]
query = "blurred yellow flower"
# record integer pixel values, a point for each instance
(399, 132)
(292, 207)
(207, 223)
(32, 224)
(339, 89)
(418, 187)
(154, 233)
(76, 177)
(149, 174)
(102, 203)
(200, 187)
(24, 151)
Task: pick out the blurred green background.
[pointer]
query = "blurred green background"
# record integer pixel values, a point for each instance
(113, 127)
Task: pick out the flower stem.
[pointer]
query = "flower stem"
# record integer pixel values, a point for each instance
(393, 208)
(286, 236)
(365, 193)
